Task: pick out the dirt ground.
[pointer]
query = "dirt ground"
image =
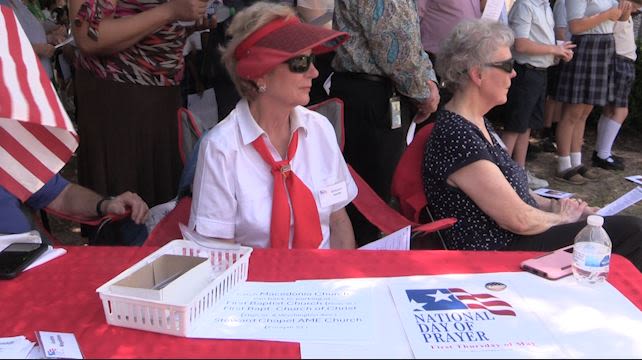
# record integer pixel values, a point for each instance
(612, 183)
(599, 193)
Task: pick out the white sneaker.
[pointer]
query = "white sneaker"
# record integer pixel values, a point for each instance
(534, 182)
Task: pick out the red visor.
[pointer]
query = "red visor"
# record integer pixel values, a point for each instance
(279, 41)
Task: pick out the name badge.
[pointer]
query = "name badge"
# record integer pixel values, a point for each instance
(395, 112)
(333, 194)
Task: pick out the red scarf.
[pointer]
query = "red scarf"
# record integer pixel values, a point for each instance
(307, 227)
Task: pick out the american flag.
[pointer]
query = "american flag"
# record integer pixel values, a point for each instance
(36, 135)
(458, 299)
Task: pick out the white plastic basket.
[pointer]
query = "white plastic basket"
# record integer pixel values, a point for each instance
(176, 318)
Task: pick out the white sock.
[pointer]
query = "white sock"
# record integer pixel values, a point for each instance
(607, 131)
(576, 159)
(563, 163)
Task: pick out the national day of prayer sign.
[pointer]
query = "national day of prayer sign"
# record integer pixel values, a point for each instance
(469, 316)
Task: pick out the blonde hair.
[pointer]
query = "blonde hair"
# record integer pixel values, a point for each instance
(246, 22)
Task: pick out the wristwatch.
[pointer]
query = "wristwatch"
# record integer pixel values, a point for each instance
(99, 205)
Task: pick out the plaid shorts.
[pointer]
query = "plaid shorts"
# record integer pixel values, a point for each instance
(624, 79)
(589, 77)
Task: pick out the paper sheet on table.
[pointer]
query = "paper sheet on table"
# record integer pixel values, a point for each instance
(16, 347)
(389, 342)
(48, 255)
(398, 240)
(493, 10)
(586, 322)
(292, 311)
(622, 202)
(579, 321)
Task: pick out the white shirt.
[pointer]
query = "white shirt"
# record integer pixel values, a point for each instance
(577, 9)
(533, 20)
(625, 39)
(233, 185)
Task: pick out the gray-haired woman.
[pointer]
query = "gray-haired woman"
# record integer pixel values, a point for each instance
(468, 174)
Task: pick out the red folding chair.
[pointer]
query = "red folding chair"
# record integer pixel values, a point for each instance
(407, 181)
(42, 222)
(373, 208)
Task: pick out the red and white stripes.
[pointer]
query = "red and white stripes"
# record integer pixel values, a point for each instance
(36, 135)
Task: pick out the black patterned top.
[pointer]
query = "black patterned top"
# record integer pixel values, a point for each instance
(455, 142)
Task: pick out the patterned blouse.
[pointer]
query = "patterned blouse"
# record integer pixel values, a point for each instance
(384, 40)
(454, 143)
(155, 60)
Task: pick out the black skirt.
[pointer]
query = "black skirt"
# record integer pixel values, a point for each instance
(589, 77)
(128, 138)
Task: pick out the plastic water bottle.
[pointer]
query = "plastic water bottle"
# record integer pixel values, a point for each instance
(592, 252)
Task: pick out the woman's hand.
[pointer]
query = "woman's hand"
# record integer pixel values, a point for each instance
(571, 210)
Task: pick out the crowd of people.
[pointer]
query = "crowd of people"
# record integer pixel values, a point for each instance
(271, 174)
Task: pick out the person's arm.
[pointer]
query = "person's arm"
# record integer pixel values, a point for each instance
(77, 200)
(485, 184)
(577, 26)
(121, 33)
(341, 233)
(528, 46)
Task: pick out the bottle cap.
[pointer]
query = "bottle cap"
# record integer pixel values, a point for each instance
(595, 220)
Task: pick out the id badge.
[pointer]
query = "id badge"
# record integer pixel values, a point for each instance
(395, 112)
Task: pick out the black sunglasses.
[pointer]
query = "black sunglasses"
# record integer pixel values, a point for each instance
(506, 65)
(301, 63)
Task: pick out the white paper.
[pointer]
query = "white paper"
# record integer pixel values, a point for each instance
(635, 178)
(622, 202)
(389, 341)
(493, 10)
(411, 132)
(35, 353)
(48, 255)
(206, 242)
(58, 345)
(555, 194)
(589, 321)
(398, 240)
(456, 316)
(16, 347)
(289, 311)
(27, 237)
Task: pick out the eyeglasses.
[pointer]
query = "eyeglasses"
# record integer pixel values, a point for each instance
(506, 65)
(301, 63)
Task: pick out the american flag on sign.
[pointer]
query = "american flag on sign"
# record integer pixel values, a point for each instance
(457, 299)
(36, 135)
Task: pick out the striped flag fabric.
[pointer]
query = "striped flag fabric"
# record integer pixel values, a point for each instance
(458, 299)
(36, 136)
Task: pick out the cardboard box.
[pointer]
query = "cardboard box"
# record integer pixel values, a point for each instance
(169, 278)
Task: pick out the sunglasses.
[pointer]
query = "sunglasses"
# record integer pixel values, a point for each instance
(506, 65)
(301, 63)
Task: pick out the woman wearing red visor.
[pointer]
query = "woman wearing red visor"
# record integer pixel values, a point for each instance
(271, 174)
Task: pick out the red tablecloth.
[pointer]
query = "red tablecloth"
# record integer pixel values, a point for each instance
(61, 295)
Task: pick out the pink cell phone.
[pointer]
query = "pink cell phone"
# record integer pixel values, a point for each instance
(554, 265)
